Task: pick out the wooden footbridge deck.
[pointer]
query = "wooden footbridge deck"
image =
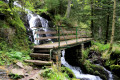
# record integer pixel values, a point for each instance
(70, 43)
(45, 54)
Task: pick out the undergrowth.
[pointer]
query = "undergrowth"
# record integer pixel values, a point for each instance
(54, 74)
(12, 56)
(100, 47)
(14, 44)
(85, 54)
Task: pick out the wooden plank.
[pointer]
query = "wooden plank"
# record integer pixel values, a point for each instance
(63, 32)
(62, 37)
(43, 38)
(67, 32)
(62, 43)
(49, 32)
(55, 32)
(39, 55)
(38, 62)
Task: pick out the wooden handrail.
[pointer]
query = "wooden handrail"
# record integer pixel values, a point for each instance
(61, 32)
(49, 32)
(62, 37)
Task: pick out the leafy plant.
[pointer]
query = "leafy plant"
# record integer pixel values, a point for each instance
(14, 76)
(85, 54)
(12, 56)
(54, 74)
(47, 73)
(99, 46)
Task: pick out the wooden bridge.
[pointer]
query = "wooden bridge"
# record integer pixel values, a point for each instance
(46, 54)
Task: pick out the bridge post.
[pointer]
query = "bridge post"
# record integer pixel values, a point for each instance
(58, 59)
(82, 46)
(82, 49)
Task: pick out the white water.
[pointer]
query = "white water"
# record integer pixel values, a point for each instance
(33, 21)
(77, 71)
(110, 74)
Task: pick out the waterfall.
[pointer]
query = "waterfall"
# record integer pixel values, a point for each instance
(35, 22)
(77, 71)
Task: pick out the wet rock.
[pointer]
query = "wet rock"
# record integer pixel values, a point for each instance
(26, 74)
(20, 65)
(28, 69)
(36, 76)
(44, 15)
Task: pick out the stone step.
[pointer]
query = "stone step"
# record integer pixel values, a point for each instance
(40, 56)
(39, 62)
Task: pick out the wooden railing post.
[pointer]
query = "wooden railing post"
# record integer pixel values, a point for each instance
(76, 35)
(58, 59)
(58, 36)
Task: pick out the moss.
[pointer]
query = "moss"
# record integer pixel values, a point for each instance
(97, 73)
(94, 69)
(115, 69)
(68, 71)
(75, 79)
(54, 74)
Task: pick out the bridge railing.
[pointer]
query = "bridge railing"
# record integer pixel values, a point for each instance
(62, 33)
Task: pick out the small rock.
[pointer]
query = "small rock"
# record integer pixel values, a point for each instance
(26, 74)
(28, 68)
(20, 65)
(36, 68)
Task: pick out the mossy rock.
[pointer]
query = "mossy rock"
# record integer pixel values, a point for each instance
(115, 56)
(68, 71)
(95, 70)
(115, 69)
(99, 71)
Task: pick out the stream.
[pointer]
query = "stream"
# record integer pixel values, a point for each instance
(78, 72)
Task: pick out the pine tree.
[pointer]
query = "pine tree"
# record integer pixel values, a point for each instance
(113, 28)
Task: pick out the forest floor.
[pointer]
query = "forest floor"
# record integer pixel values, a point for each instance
(20, 72)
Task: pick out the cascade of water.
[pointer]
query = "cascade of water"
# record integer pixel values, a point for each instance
(34, 22)
(77, 71)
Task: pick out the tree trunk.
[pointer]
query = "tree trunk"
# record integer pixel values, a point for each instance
(68, 9)
(107, 27)
(100, 32)
(113, 28)
(92, 22)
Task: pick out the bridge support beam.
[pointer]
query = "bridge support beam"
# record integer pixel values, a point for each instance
(82, 49)
(82, 46)
(57, 56)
